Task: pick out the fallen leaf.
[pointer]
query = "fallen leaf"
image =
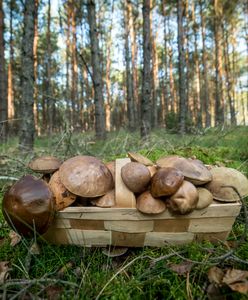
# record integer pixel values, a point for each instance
(35, 249)
(215, 275)
(15, 238)
(237, 280)
(4, 271)
(68, 266)
(53, 292)
(115, 251)
(182, 268)
(214, 293)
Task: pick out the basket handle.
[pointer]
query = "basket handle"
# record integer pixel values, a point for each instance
(123, 196)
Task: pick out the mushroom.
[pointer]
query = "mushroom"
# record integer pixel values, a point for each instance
(137, 157)
(86, 176)
(136, 176)
(63, 198)
(223, 181)
(184, 200)
(111, 166)
(205, 198)
(107, 200)
(28, 206)
(45, 164)
(166, 182)
(152, 169)
(193, 169)
(147, 204)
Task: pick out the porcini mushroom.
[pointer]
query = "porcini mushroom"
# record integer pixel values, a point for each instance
(28, 206)
(137, 157)
(193, 169)
(205, 198)
(136, 176)
(86, 176)
(107, 200)
(223, 181)
(63, 198)
(147, 204)
(45, 164)
(166, 181)
(111, 166)
(184, 200)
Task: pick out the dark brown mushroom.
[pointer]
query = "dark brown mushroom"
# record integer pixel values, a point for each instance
(184, 200)
(136, 176)
(166, 181)
(63, 198)
(28, 206)
(193, 169)
(86, 176)
(147, 204)
(45, 164)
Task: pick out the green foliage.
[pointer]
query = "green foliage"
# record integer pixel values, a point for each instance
(90, 269)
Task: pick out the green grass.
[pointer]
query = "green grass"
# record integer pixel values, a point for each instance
(89, 268)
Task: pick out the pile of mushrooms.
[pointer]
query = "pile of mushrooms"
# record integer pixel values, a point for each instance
(175, 183)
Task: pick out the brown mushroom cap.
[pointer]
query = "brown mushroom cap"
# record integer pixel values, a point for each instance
(184, 200)
(193, 169)
(45, 164)
(111, 166)
(147, 204)
(29, 205)
(224, 177)
(63, 198)
(166, 181)
(153, 169)
(107, 200)
(86, 176)
(205, 198)
(136, 176)
(137, 157)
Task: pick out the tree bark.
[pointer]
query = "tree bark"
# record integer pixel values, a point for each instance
(100, 125)
(36, 112)
(219, 101)
(3, 82)
(146, 82)
(11, 109)
(181, 68)
(206, 99)
(27, 130)
(129, 93)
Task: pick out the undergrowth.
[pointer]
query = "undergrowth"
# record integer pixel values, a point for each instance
(86, 273)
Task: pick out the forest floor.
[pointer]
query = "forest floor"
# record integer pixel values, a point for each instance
(193, 271)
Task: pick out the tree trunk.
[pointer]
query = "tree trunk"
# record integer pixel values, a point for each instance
(26, 138)
(129, 94)
(146, 82)
(198, 106)
(219, 101)
(3, 82)
(134, 53)
(165, 81)
(100, 126)
(74, 68)
(36, 112)
(229, 80)
(206, 100)
(181, 69)
(11, 109)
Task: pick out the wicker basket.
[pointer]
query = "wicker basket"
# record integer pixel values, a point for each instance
(126, 226)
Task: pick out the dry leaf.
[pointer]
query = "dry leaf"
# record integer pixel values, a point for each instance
(53, 292)
(114, 251)
(35, 249)
(215, 275)
(15, 238)
(65, 268)
(4, 271)
(237, 280)
(214, 293)
(182, 268)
